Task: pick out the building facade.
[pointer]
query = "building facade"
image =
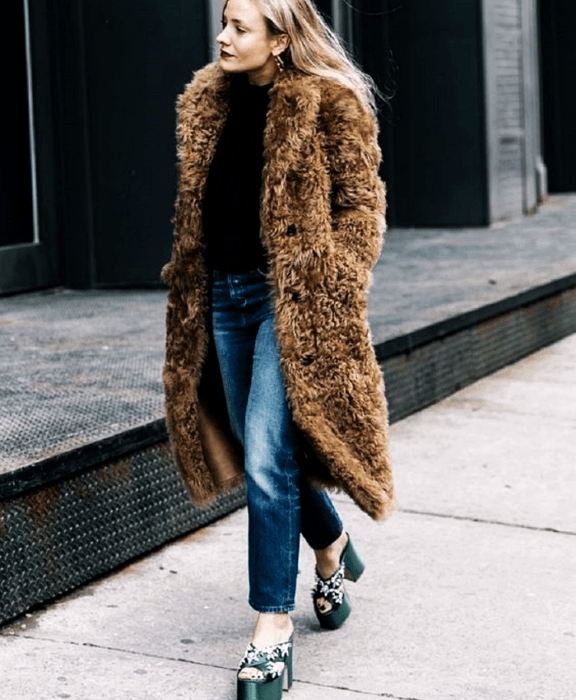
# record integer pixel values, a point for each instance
(477, 122)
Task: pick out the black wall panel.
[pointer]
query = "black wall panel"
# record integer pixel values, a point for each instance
(139, 55)
(558, 32)
(121, 67)
(439, 168)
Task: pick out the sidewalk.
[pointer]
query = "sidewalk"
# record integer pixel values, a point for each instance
(468, 592)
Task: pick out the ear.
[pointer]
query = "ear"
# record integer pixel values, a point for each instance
(281, 43)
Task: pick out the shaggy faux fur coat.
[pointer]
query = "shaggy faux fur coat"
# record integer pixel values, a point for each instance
(322, 222)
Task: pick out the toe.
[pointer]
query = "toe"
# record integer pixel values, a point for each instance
(323, 605)
(250, 674)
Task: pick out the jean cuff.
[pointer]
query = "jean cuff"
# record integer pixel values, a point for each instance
(272, 608)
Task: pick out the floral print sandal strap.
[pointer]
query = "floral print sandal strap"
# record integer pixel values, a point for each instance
(266, 660)
(275, 666)
(331, 590)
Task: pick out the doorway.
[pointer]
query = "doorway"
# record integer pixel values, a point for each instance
(27, 260)
(16, 186)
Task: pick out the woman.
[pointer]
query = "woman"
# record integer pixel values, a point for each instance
(270, 375)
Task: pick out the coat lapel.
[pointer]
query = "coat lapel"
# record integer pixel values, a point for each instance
(202, 113)
(292, 119)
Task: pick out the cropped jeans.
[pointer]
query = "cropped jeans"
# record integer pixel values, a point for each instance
(281, 503)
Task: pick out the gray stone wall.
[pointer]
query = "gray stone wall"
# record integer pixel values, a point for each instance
(513, 119)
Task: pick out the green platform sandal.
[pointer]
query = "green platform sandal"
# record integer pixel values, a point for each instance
(274, 679)
(332, 589)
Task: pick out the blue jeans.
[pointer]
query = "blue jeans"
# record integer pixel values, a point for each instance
(281, 504)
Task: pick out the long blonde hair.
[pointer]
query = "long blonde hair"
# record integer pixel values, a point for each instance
(314, 47)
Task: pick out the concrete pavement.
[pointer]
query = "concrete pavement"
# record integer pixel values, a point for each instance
(468, 592)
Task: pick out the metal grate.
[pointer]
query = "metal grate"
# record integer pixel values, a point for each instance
(422, 376)
(79, 368)
(61, 535)
(76, 367)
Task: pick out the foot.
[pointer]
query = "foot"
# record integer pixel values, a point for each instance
(271, 629)
(327, 563)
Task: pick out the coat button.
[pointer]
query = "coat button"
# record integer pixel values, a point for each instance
(296, 297)
(307, 360)
(291, 230)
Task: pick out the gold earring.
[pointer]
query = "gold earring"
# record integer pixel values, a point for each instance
(279, 62)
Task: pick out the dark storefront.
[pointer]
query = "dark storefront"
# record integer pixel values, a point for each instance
(88, 176)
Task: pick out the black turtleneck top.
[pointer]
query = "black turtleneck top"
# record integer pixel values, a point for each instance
(231, 212)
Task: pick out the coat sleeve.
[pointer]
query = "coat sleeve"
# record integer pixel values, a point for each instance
(358, 201)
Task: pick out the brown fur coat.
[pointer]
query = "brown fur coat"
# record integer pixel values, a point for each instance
(322, 220)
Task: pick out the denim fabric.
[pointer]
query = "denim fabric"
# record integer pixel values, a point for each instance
(281, 504)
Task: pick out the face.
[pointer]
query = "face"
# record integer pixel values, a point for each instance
(246, 46)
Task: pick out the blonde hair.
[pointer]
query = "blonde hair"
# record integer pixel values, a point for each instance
(314, 47)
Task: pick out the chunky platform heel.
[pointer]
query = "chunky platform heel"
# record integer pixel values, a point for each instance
(332, 589)
(353, 565)
(274, 678)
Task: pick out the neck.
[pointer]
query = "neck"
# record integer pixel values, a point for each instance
(264, 75)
